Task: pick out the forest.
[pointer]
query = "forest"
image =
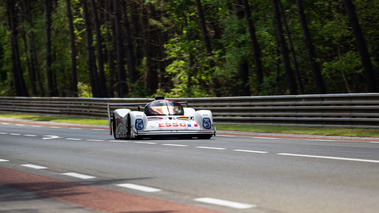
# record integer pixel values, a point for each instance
(188, 48)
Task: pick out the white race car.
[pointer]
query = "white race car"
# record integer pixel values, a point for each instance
(160, 118)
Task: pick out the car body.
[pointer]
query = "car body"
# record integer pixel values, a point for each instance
(160, 118)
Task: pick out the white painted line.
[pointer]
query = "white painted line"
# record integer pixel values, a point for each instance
(77, 175)
(226, 203)
(34, 166)
(208, 147)
(55, 127)
(3, 160)
(20, 125)
(74, 139)
(49, 137)
(139, 187)
(149, 143)
(75, 128)
(36, 126)
(3, 133)
(98, 129)
(330, 158)
(94, 140)
(178, 145)
(14, 134)
(265, 138)
(27, 135)
(250, 151)
(5, 123)
(320, 140)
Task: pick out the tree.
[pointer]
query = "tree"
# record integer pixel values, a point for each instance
(91, 63)
(16, 63)
(99, 47)
(310, 49)
(51, 86)
(74, 75)
(257, 53)
(122, 84)
(361, 46)
(284, 49)
(129, 45)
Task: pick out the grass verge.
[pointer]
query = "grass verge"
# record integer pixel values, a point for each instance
(249, 128)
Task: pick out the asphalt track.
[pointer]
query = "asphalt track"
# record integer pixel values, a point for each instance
(48, 167)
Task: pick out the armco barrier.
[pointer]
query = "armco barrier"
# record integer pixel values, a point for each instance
(357, 110)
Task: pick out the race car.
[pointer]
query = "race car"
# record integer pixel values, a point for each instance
(160, 118)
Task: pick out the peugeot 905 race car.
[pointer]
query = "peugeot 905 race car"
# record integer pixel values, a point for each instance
(160, 118)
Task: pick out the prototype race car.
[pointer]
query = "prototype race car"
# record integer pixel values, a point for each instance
(160, 118)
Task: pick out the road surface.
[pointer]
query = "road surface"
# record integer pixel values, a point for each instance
(54, 167)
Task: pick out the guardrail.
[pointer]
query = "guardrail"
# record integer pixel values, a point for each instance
(357, 110)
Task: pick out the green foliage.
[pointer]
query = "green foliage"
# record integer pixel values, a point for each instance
(192, 71)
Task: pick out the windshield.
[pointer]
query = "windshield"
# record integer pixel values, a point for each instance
(163, 107)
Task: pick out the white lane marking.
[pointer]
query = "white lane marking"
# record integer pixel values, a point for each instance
(75, 128)
(178, 145)
(231, 204)
(49, 137)
(20, 125)
(265, 138)
(77, 175)
(34, 166)
(98, 129)
(74, 139)
(3, 160)
(28, 135)
(3, 133)
(14, 134)
(250, 151)
(330, 157)
(149, 143)
(139, 187)
(5, 123)
(55, 127)
(36, 126)
(94, 140)
(319, 140)
(208, 147)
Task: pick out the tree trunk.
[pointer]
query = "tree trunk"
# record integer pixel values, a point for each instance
(100, 56)
(257, 53)
(292, 50)
(16, 63)
(310, 49)
(129, 46)
(122, 84)
(90, 52)
(52, 91)
(243, 68)
(284, 49)
(111, 40)
(361, 46)
(150, 50)
(74, 72)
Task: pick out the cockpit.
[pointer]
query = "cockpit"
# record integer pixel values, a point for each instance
(163, 107)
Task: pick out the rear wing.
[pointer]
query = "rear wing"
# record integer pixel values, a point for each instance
(128, 104)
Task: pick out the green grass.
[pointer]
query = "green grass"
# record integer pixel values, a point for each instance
(60, 119)
(249, 128)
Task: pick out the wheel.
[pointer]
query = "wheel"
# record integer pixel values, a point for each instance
(114, 127)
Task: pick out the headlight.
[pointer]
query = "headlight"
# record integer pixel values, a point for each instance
(207, 123)
(139, 124)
